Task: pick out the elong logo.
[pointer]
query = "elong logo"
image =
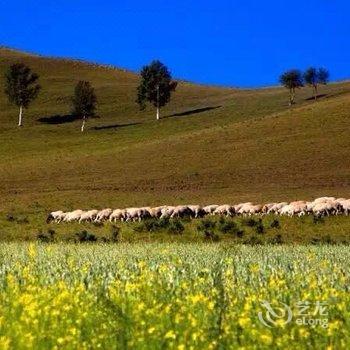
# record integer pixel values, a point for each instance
(282, 314)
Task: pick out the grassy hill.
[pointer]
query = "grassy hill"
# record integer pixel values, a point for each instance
(213, 144)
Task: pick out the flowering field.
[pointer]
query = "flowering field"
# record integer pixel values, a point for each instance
(176, 296)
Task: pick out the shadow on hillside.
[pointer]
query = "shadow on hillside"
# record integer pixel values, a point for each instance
(114, 126)
(318, 96)
(192, 111)
(58, 119)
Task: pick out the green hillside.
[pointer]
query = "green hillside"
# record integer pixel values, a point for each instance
(212, 145)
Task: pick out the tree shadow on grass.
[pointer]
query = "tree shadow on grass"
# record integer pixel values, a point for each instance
(61, 119)
(192, 111)
(58, 119)
(318, 96)
(114, 126)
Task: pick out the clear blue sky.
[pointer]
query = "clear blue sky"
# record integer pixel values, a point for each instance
(236, 43)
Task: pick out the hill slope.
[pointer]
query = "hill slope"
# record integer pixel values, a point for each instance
(213, 145)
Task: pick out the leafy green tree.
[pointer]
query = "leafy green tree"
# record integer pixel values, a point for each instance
(156, 86)
(292, 80)
(84, 101)
(21, 87)
(314, 77)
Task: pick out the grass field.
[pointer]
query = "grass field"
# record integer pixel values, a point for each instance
(228, 145)
(173, 296)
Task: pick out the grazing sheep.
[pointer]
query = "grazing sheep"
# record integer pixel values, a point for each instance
(237, 207)
(103, 214)
(346, 207)
(73, 215)
(56, 216)
(276, 208)
(210, 209)
(117, 214)
(181, 211)
(197, 211)
(156, 212)
(88, 215)
(135, 214)
(250, 209)
(267, 207)
(324, 199)
(320, 206)
(146, 212)
(225, 209)
(322, 209)
(293, 208)
(167, 211)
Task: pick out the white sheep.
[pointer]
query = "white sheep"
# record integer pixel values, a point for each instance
(250, 209)
(167, 211)
(89, 215)
(267, 207)
(196, 210)
(210, 209)
(324, 199)
(73, 215)
(103, 214)
(276, 208)
(346, 207)
(225, 209)
(156, 212)
(56, 216)
(181, 211)
(135, 214)
(117, 214)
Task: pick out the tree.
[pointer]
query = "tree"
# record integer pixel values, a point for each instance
(292, 80)
(21, 87)
(84, 101)
(314, 77)
(156, 86)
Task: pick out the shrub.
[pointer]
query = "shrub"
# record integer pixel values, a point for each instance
(115, 231)
(10, 217)
(209, 235)
(240, 233)
(253, 240)
(152, 225)
(250, 222)
(205, 225)
(84, 236)
(275, 224)
(317, 219)
(226, 226)
(46, 237)
(276, 240)
(259, 228)
(176, 227)
(22, 220)
(323, 240)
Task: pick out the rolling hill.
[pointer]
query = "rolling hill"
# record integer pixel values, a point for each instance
(212, 145)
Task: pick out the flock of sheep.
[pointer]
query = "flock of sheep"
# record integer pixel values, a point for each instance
(323, 206)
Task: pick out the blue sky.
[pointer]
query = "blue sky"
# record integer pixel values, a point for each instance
(236, 43)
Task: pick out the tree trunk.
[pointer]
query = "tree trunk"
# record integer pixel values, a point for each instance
(83, 125)
(20, 115)
(315, 92)
(291, 97)
(158, 112)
